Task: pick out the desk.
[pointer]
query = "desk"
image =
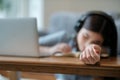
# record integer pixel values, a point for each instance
(107, 67)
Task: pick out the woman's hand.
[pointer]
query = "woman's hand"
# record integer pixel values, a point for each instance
(61, 47)
(91, 54)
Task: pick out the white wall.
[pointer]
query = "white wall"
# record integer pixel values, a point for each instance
(52, 6)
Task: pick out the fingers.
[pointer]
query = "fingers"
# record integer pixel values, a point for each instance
(83, 58)
(97, 49)
(65, 48)
(62, 47)
(89, 55)
(92, 54)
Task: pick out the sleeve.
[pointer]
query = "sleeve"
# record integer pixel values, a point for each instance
(105, 52)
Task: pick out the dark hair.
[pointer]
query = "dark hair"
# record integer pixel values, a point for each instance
(100, 22)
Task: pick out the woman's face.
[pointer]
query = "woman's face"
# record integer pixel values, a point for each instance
(86, 37)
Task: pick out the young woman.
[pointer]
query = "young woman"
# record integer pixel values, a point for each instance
(95, 31)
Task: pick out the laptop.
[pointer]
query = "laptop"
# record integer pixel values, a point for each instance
(19, 37)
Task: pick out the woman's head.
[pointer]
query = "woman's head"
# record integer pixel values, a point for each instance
(97, 28)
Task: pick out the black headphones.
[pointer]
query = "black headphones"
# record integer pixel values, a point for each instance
(81, 21)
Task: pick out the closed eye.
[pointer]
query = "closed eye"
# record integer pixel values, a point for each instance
(97, 42)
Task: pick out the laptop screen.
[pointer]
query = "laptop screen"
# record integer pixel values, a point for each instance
(19, 37)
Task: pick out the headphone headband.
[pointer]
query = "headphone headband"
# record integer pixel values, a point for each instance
(91, 13)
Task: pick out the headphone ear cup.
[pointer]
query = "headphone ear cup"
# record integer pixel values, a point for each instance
(78, 25)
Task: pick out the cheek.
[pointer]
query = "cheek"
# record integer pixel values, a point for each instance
(81, 42)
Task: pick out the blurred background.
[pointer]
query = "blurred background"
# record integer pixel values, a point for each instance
(43, 9)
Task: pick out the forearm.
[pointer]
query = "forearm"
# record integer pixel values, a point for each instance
(45, 50)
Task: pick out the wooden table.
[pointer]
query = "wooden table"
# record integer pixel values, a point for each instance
(109, 67)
